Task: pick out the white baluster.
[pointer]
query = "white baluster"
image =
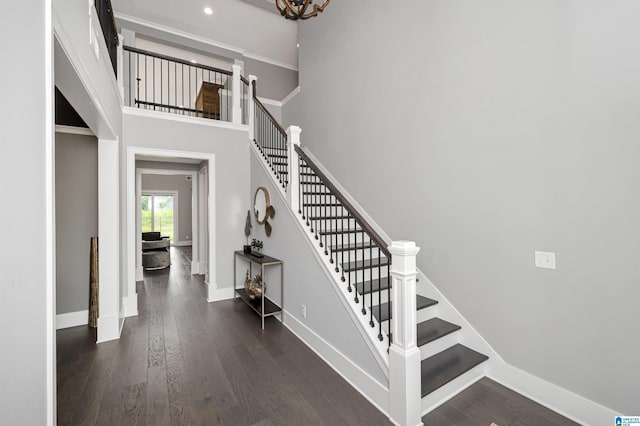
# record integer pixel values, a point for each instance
(404, 356)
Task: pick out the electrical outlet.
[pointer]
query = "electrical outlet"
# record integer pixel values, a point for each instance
(545, 260)
(304, 311)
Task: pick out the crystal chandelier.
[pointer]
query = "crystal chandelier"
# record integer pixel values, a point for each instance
(300, 9)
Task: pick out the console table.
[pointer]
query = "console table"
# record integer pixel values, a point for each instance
(263, 306)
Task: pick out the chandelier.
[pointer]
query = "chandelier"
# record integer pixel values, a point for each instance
(300, 9)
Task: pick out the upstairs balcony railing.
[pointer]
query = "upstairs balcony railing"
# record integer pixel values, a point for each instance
(158, 82)
(109, 31)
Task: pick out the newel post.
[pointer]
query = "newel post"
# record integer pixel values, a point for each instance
(120, 66)
(236, 111)
(405, 402)
(252, 107)
(293, 194)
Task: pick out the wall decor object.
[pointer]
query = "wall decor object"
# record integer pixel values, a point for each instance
(300, 9)
(263, 209)
(93, 284)
(247, 232)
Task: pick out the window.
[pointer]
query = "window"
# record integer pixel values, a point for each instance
(157, 214)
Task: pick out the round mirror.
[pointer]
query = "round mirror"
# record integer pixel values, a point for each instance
(261, 204)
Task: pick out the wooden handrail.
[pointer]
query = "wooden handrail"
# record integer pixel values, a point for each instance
(178, 60)
(373, 234)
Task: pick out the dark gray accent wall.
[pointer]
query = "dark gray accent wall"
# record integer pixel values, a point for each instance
(485, 131)
(76, 218)
(274, 82)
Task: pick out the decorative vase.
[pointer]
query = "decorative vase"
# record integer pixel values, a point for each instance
(253, 287)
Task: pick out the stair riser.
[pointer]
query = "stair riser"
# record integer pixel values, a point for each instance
(326, 211)
(439, 345)
(454, 387)
(422, 315)
(358, 277)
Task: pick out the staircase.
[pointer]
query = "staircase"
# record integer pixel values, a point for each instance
(360, 261)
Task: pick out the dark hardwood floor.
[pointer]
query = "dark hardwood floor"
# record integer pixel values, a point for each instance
(183, 361)
(487, 402)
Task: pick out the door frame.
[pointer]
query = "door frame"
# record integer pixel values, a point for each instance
(134, 238)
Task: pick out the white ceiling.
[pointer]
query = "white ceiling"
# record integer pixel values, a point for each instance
(240, 24)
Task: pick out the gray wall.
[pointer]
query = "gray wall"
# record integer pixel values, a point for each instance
(183, 187)
(231, 148)
(305, 281)
(23, 277)
(274, 82)
(491, 130)
(76, 218)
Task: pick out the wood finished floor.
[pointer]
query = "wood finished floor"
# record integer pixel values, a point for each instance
(183, 361)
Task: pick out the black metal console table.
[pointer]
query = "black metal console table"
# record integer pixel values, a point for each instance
(263, 306)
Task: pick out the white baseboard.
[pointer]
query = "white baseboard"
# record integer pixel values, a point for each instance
(139, 274)
(195, 268)
(108, 328)
(216, 294)
(131, 306)
(374, 391)
(560, 400)
(72, 319)
(181, 243)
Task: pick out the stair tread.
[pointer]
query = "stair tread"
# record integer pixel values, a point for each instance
(376, 285)
(364, 264)
(433, 329)
(384, 312)
(321, 205)
(338, 231)
(445, 366)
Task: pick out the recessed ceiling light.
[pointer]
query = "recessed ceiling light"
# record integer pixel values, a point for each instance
(208, 10)
(193, 61)
(298, 45)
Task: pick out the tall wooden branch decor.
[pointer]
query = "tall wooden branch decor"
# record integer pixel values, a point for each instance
(93, 284)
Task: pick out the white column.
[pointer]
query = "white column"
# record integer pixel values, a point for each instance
(404, 356)
(252, 107)
(236, 93)
(108, 240)
(293, 140)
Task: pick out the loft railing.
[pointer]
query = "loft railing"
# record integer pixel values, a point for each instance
(351, 243)
(271, 140)
(163, 83)
(109, 30)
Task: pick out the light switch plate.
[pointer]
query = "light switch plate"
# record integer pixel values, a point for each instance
(545, 260)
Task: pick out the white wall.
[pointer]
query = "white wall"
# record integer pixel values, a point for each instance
(26, 263)
(76, 218)
(179, 184)
(230, 147)
(494, 129)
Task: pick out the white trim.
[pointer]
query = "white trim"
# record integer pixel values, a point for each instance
(217, 294)
(194, 207)
(50, 219)
(130, 303)
(182, 243)
(176, 203)
(132, 151)
(204, 40)
(72, 319)
(74, 130)
(266, 60)
(272, 102)
(560, 400)
(290, 96)
(183, 118)
(374, 391)
(108, 328)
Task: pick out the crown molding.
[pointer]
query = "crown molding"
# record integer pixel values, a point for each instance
(204, 40)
